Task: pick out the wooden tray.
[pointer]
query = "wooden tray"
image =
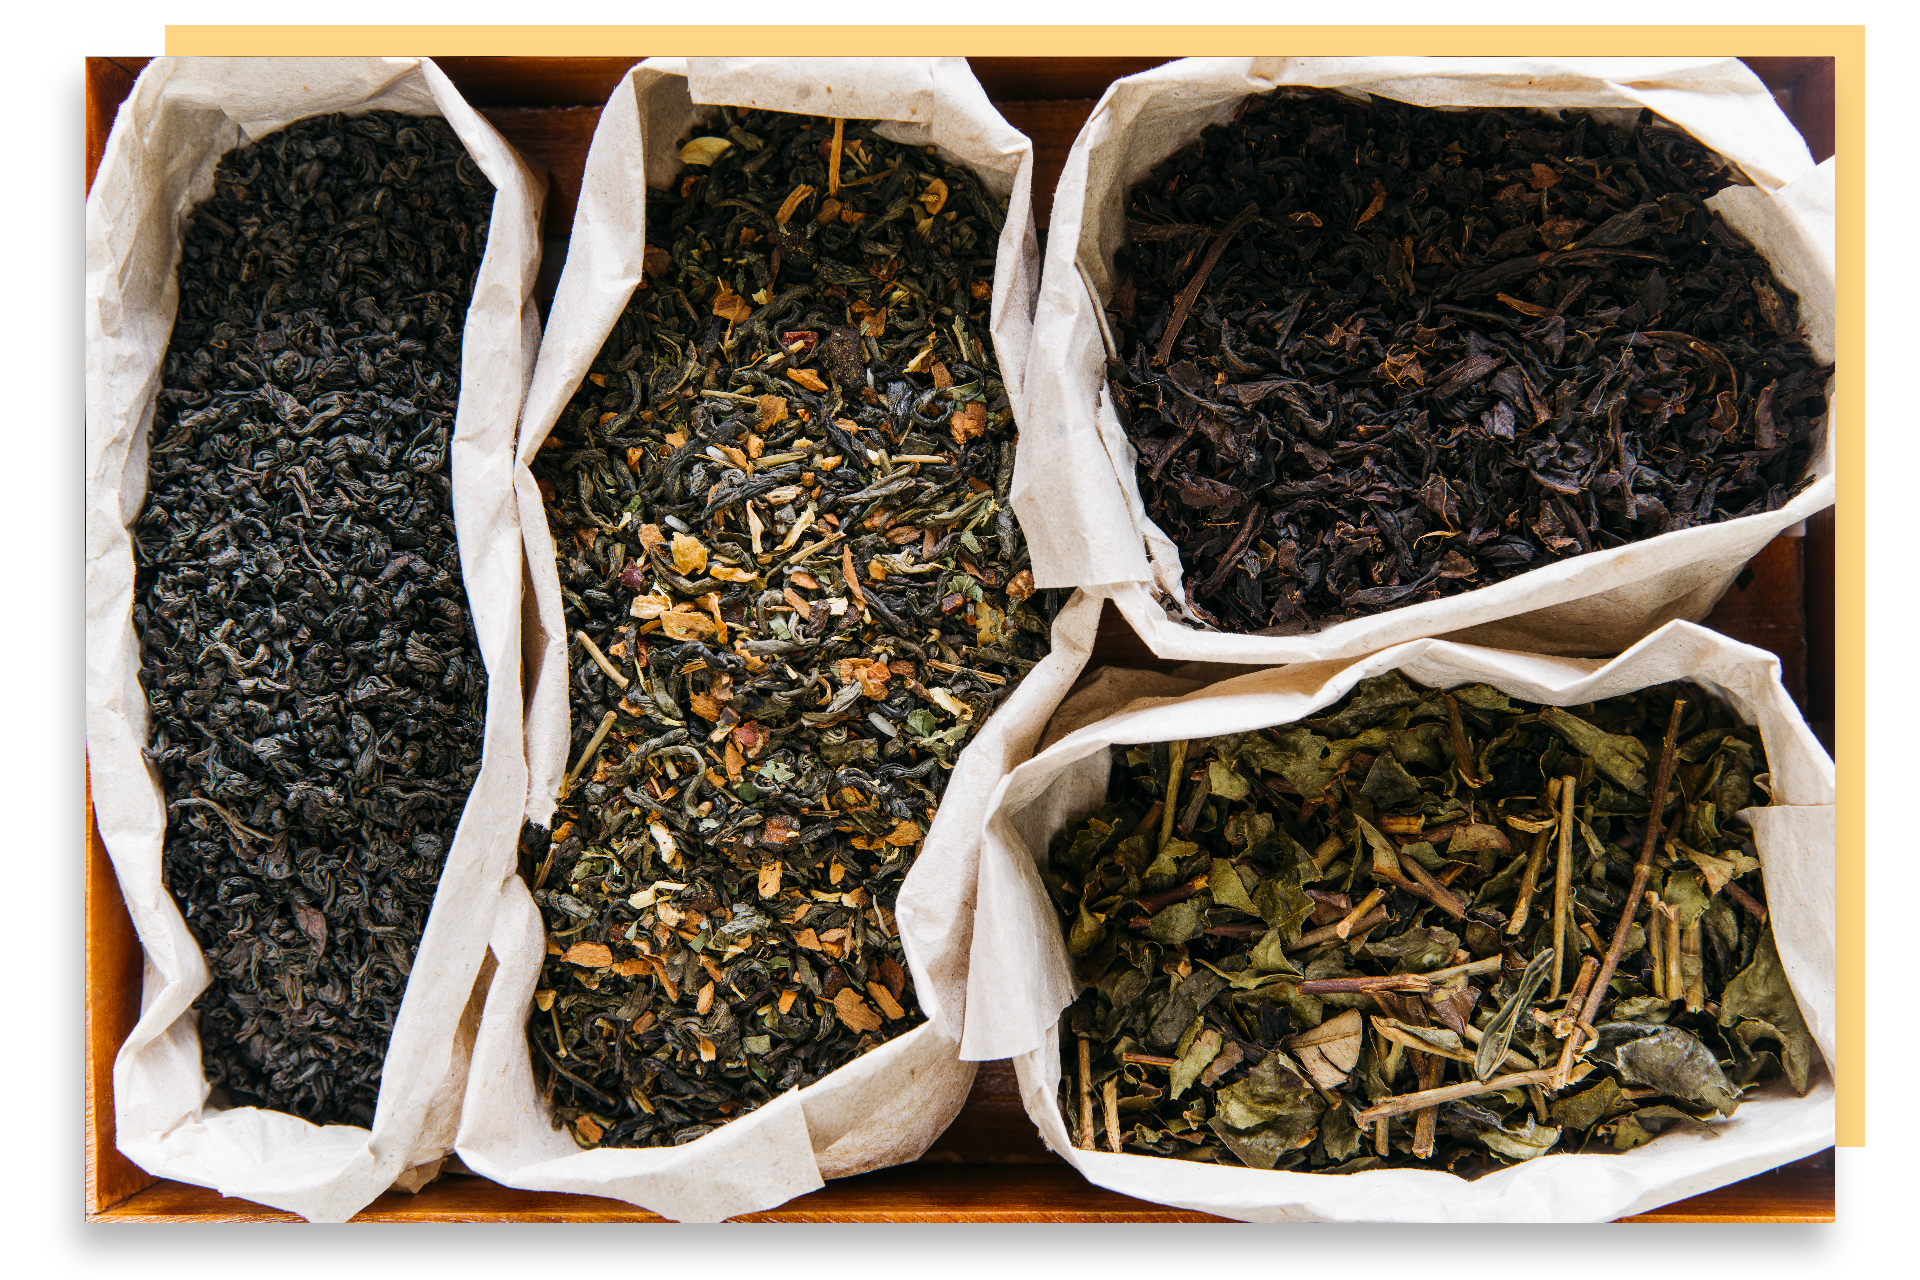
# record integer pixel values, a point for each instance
(990, 1165)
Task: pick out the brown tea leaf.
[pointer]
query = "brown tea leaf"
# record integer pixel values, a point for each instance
(590, 955)
(855, 1012)
(312, 923)
(656, 263)
(686, 625)
(730, 306)
(773, 411)
(873, 679)
(889, 1007)
(968, 423)
(704, 151)
(792, 203)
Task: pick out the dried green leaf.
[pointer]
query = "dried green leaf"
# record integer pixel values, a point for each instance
(1197, 1057)
(1388, 784)
(1589, 1107)
(1269, 1113)
(1269, 956)
(1683, 894)
(1668, 1059)
(1427, 745)
(1087, 932)
(1529, 1141)
(1339, 1134)
(1621, 758)
(1223, 782)
(1498, 1034)
(1185, 1000)
(1760, 998)
(1417, 950)
(1181, 921)
(1425, 1039)
(1228, 889)
(1297, 754)
(1373, 700)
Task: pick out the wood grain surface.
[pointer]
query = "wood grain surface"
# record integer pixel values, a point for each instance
(990, 1165)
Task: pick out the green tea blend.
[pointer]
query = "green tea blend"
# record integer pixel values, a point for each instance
(1424, 929)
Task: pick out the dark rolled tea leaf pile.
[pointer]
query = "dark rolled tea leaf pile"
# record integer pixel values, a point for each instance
(1373, 354)
(794, 591)
(316, 689)
(1402, 934)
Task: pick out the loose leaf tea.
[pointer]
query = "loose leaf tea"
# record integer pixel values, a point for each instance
(1446, 930)
(315, 686)
(794, 590)
(1371, 354)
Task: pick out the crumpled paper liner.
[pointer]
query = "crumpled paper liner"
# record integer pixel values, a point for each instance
(1075, 487)
(182, 116)
(887, 1106)
(1022, 976)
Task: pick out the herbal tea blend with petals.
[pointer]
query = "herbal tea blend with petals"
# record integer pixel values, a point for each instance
(1372, 354)
(793, 590)
(1403, 934)
(315, 685)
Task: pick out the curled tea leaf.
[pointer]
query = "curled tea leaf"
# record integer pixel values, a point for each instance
(1498, 1033)
(704, 151)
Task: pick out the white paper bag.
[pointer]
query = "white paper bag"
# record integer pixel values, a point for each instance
(888, 1105)
(1074, 485)
(1021, 976)
(182, 116)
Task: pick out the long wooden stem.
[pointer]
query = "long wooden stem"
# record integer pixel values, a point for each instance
(1643, 866)
(1642, 870)
(1562, 886)
(1110, 1104)
(1426, 1121)
(1676, 980)
(1529, 880)
(1184, 303)
(1462, 753)
(1344, 927)
(1747, 901)
(1657, 944)
(1085, 1136)
(1406, 1102)
(1326, 932)
(1176, 767)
